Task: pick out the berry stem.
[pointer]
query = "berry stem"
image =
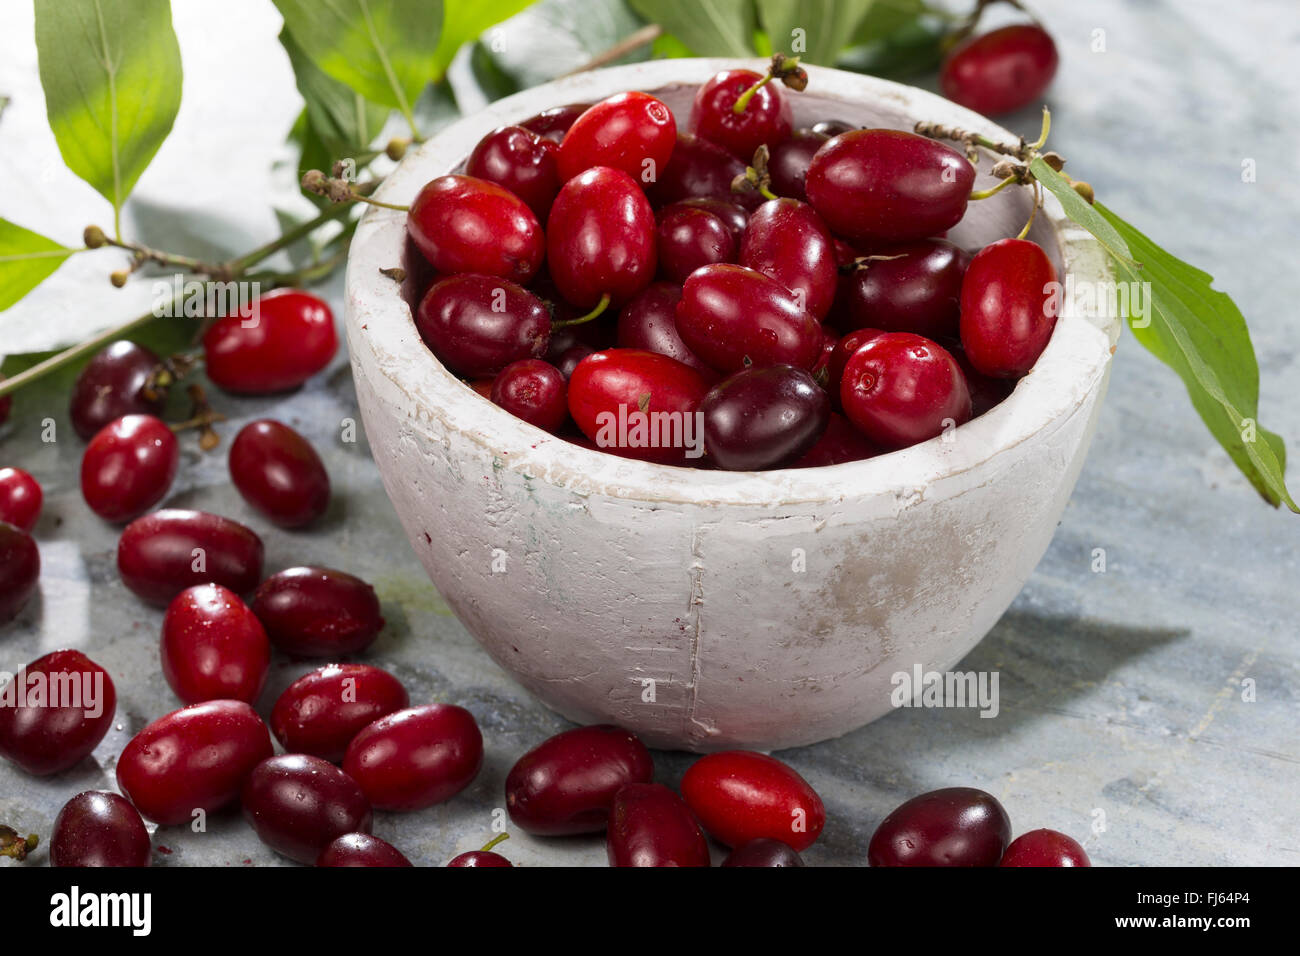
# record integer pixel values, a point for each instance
(601, 306)
(994, 190)
(494, 841)
(742, 101)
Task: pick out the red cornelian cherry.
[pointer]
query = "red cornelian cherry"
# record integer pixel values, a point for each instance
(483, 857)
(278, 472)
(787, 241)
(288, 339)
(165, 552)
(195, 758)
(913, 287)
(699, 169)
(601, 238)
(840, 355)
(298, 805)
(840, 443)
(741, 795)
(763, 852)
(649, 322)
(114, 383)
(477, 325)
(318, 612)
(901, 388)
(20, 569)
(566, 784)
(764, 120)
(733, 215)
(323, 710)
(789, 160)
(985, 391)
(1045, 848)
(689, 237)
(97, 828)
(555, 122)
(616, 397)
(649, 825)
(128, 467)
(958, 826)
(20, 498)
(734, 317)
(1000, 71)
(55, 712)
(633, 132)
(213, 647)
(361, 849)
(763, 417)
(534, 391)
(1008, 307)
(464, 224)
(521, 161)
(885, 185)
(416, 757)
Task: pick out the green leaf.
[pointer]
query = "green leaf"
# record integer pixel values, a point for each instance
(466, 20)
(706, 27)
(555, 36)
(112, 79)
(385, 50)
(813, 30)
(885, 18)
(26, 260)
(913, 48)
(344, 120)
(494, 81)
(1194, 329)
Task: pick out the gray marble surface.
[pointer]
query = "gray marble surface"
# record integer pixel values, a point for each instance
(1122, 717)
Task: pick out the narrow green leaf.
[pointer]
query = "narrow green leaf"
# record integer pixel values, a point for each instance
(813, 30)
(465, 21)
(26, 260)
(885, 18)
(345, 121)
(706, 27)
(112, 79)
(915, 47)
(1078, 209)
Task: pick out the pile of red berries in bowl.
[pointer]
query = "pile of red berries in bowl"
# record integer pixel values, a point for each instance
(722, 289)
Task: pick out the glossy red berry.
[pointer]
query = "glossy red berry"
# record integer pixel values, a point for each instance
(567, 783)
(521, 161)
(483, 857)
(763, 852)
(649, 825)
(789, 160)
(649, 322)
(638, 404)
(699, 169)
(600, 238)
(361, 849)
(763, 417)
(477, 325)
(417, 757)
(114, 383)
(299, 804)
(915, 287)
(318, 612)
(1044, 848)
(885, 185)
(99, 829)
(741, 795)
(841, 442)
(565, 363)
(633, 132)
(764, 120)
(165, 552)
(1000, 71)
(1009, 305)
(279, 473)
(787, 241)
(688, 237)
(55, 712)
(985, 391)
(734, 317)
(464, 224)
(844, 349)
(129, 467)
(20, 569)
(555, 122)
(213, 647)
(959, 826)
(323, 710)
(20, 498)
(901, 389)
(288, 339)
(534, 391)
(733, 215)
(192, 759)
(832, 127)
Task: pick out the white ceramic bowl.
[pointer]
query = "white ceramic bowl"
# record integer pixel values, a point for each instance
(670, 600)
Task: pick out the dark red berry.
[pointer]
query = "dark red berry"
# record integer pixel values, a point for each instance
(901, 389)
(1044, 848)
(789, 160)
(566, 362)
(915, 287)
(361, 849)
(318, 612)
(213, 646)
(885, 185)
(840, 443)
(98, 828)
(464, 224)
(477, 325)
(699, 169)
(566, 784)
(521, 161)
(959, 826)
(734, 216)
(649, 825)
(192, 759)
(829, 128)
(20, 498)
(787, 241)
(688, 238)
(322, 711)
(844, 349)
(114, 383)
(764, 120)
(763, 417)
(55, 712)
(483, 857)
(555, 122)
(741, 795)
(20, 569)
(129, 467)
(279, 473)
(417, 757)
(299, 804)
(649, 322)
(763, 852)
(163, 553)
(633, 132)
(288, 339)
(534, 391)
(1000, 71)
(1009, 306)
(985, 391)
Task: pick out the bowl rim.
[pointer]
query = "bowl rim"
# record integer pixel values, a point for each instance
(382, 336)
